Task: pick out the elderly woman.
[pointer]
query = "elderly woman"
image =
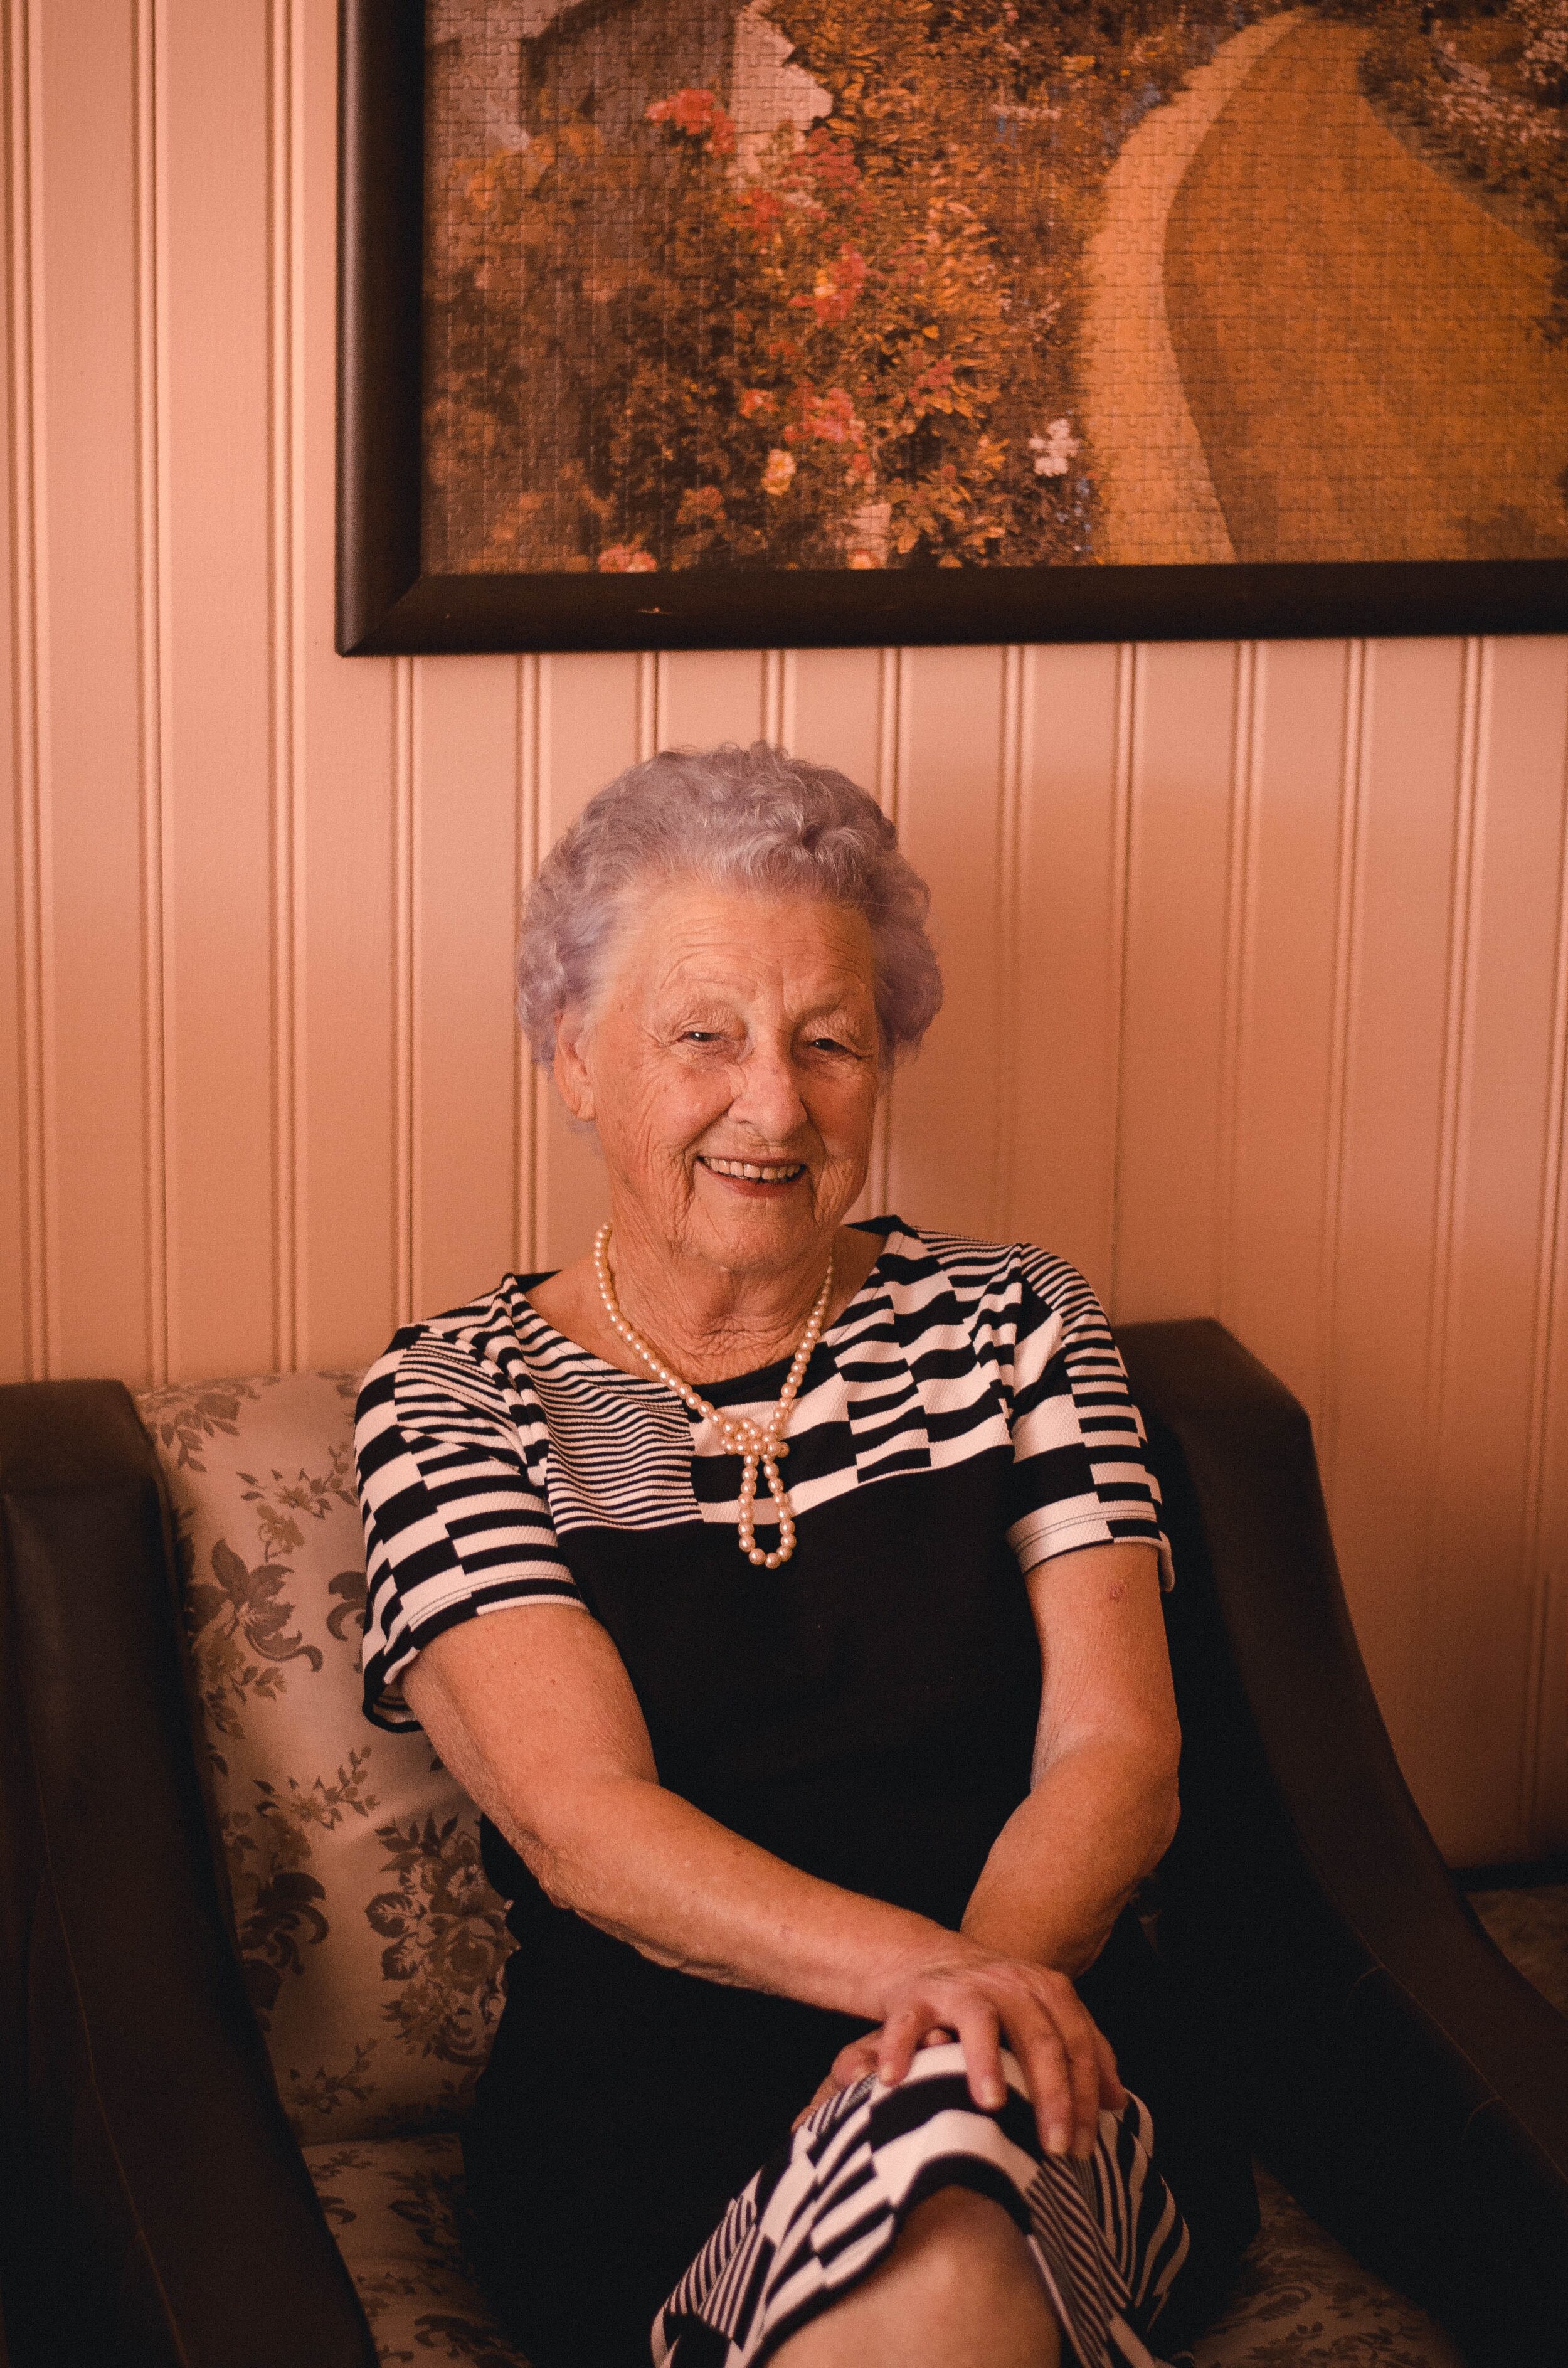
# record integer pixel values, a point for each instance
(865, 1736)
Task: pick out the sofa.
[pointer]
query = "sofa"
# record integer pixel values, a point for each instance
(250, 1965)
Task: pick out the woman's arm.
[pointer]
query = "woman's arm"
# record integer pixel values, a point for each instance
(1104, 1807)
(532, 1711)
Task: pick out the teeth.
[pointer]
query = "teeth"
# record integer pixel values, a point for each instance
(744, 1167)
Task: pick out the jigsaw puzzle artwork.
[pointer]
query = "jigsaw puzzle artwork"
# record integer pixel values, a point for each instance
(969, 283)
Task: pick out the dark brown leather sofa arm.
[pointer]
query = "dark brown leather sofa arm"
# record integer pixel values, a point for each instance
(1408, 2086)
(154, 2209)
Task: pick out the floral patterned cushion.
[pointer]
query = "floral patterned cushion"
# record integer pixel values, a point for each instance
(1301, 2302)
(396, 2208)
(372, 1943)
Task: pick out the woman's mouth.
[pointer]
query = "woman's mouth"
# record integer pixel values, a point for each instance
(772, 1172)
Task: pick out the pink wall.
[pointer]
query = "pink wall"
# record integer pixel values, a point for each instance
(1256, 956)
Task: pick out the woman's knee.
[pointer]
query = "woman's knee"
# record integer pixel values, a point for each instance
(958, 2288)
(965, 2243)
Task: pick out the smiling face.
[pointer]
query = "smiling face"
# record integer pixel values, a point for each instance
(731, 1065)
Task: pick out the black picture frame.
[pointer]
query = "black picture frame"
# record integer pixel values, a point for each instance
(387, 604)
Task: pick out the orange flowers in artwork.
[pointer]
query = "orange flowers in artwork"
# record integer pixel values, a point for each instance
(696, 114)
(822, 316)
(836, 288)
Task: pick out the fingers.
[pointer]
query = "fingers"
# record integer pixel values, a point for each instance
(894, 2047)
(826, 2088)
(852, 2063)
(1084, 2044)
(978, 2028)
(1063, 2060)
(1068, 2067)
(1042, 2059)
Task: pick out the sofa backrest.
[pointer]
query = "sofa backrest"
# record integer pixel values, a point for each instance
(372, 1944)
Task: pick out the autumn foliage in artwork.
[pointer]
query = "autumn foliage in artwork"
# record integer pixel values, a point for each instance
(660, 342)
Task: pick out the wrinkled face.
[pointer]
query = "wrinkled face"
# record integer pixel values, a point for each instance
(730, 1066)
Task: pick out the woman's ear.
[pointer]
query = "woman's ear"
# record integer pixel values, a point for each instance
(573, 1081)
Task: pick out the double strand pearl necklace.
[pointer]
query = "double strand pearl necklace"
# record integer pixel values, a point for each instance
(753, 1442)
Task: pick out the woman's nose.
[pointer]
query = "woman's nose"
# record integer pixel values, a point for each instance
(769, 1095)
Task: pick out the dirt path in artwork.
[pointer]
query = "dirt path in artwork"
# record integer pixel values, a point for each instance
(1358, 340)
(1157, 499)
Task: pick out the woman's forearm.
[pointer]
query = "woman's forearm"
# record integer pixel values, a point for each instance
(551, 1745)
(646, 1866)
(1100, 1818)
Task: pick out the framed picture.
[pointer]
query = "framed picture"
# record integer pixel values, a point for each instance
(742, 323)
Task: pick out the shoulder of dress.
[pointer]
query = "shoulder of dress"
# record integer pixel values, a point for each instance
(984, 1275)
(474, 1353)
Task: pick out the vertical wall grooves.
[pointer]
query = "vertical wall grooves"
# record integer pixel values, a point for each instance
(1009, 825)
(1457, 1039)
(419, 1129)
(1128, 712)
(297, 1004)
(152, 346)
(773, 696)
(1547, 1320)
(27, 563)
(404, 681)
(1240, 849)
(1346, 921)
(539, 1083)
(283, 426)
(891, 696)
(892, 704)
(789, 699)
(653, 704)
(525, 1255)
(1426, 1644)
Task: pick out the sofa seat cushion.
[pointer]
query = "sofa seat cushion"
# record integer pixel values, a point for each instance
(396, 2207)
(1301, 2301)
(372, 1944)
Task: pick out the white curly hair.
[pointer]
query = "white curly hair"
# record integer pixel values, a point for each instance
(750, 818)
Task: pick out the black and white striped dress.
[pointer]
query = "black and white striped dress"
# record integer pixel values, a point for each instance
(868, 1712)
(1106, 2234)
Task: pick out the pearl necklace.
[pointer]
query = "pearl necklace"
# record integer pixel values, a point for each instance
(756, 1443)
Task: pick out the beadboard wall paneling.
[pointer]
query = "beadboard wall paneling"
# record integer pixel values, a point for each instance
(953, 775)
(595, 715)
(207, 669)
(1191, 713)
(20, 1065)
(1409, 948)
(471, 724)
(1493, 1312)
(1294, 868)
(91, 305)
(1256, 956)
(1067, 957)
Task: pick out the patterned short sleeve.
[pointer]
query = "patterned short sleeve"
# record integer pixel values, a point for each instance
(1080, 1472)
(451, 1457)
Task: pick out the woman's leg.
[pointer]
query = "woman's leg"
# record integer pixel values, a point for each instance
(960, 2289)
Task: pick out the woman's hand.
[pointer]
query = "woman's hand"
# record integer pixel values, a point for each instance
(988, 2002)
